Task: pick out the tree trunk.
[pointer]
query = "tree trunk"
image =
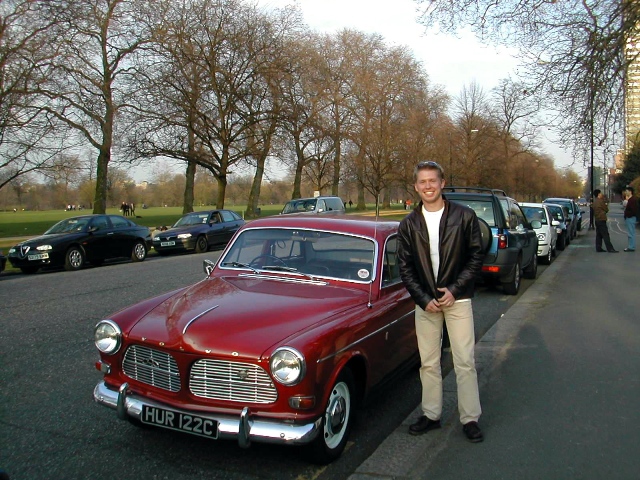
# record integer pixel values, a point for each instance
(187, 206)
(254, 194)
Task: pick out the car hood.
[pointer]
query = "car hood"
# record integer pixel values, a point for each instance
(52, 238)
(243, 316)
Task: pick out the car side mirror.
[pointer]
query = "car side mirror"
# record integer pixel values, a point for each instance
(208, 267)
(535, 224)
(555, 223)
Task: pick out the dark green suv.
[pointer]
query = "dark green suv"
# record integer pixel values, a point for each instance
(509, 241)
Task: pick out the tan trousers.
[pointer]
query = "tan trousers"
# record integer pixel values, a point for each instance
(459, 320)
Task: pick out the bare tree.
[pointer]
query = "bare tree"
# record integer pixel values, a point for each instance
(83, 86)
(572, 51)
(27, 143)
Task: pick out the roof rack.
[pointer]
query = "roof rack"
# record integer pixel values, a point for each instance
(495, 191)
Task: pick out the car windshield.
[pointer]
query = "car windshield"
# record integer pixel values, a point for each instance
(556, 213)
(192, 219)
(535, 213)
(302, 205)
(565, 203)
(308, 252)
(69, 225)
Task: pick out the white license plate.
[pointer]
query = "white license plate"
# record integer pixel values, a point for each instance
(38, 256)
(183, 422)
(167, 244)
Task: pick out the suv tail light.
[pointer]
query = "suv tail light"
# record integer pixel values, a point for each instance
(502, 241)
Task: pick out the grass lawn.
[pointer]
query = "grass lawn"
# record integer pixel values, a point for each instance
(28, 224)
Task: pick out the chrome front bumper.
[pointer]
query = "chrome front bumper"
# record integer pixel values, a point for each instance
(244, 429)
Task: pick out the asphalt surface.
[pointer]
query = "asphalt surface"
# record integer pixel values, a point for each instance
(559, 382)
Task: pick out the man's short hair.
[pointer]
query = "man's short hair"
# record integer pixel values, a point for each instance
(630, 188)
(596, 192)
(427, 165)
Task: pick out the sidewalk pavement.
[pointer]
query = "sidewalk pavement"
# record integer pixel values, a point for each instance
(559, 379)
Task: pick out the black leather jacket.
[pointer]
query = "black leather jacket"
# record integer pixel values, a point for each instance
(461, 253)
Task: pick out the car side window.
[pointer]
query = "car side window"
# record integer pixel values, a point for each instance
(215, 218)
(504, 204)
(227, 216)
(100, 223)
(320, 207)
(118, 222)
(390, 268)
(517, 217)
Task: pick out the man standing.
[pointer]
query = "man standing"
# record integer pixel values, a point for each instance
(600, 210)
(630, 218)
(440, 254)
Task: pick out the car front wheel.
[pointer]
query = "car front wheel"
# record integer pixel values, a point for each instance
(512, 286)
(201, 245)
(548, 257)
(74, 259)
(139, 252)
(532, 269)
(336, 422)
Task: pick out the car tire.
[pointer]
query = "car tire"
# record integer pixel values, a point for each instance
(138, 252)
(201, 244)
(29, 270)
(336, 422)
(547, 259)
(532, 269)
(74, 259)
(512, 286)
(560, 245)
(485, 232)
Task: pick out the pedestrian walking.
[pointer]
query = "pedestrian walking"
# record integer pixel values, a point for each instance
(630, 218)
(440, 255)
(600, 210)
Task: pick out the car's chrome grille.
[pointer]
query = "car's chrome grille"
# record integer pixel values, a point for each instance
(235, 381)
(152, 367)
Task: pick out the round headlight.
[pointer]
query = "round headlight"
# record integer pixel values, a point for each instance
(108, 336)
(287, 366)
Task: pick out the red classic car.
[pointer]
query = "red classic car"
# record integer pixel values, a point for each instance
(300, 317)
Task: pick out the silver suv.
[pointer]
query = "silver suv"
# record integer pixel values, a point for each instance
(315, 205)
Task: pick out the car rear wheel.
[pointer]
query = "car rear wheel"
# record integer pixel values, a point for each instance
(139, 252)
(512, 286)
(336, 421)
(74, 259)
(532, 269)
(201, 244)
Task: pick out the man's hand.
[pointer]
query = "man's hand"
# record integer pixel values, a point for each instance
(446, 299)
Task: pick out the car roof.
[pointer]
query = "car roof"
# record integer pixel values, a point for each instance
(353, 224)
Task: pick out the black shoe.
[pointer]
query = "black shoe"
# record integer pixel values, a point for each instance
(612, 251)
(629, 250)
(423, 425)
(473, 432)
(600, 251)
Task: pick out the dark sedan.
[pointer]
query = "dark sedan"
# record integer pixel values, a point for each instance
(198, 231)
(74, 241)
(3, 261)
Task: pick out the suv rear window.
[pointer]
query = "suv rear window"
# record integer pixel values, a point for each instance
(483, 209)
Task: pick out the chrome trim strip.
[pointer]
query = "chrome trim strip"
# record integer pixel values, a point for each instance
(262, 431)
(284, 279)
(365, 337)
(184, 330)
(243, 430)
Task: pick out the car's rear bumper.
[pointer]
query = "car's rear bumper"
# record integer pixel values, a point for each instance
(243, 428)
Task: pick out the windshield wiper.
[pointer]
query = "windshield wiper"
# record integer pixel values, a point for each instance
(242, 265)
(282, 268)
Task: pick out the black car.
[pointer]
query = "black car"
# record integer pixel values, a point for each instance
(575, 214)
(198, 231)
(3, 261)
(74, 241)
(510, 242)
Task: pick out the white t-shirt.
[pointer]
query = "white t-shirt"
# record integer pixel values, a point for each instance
(432, 220)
